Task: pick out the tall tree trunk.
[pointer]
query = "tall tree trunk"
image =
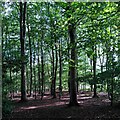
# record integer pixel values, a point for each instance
(52, 71)
(107, 64)
(27, 79)
(38, 60)
(112, 79)
(101, 65)
(55, 73)
(34, 69)
(85, 72)
(73, 95)
(11, 80)
(102, 82)
(52, 57)
(77, 82)
(71, 32)
(60, 68)
(22, 40)
(69, 65)
(6, 35)
(30, 48)
(94, 71)
(42, 65)
(91, 84)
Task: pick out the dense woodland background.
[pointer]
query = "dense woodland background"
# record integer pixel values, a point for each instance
(53, 47)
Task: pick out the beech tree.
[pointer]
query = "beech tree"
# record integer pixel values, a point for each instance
(22, 40)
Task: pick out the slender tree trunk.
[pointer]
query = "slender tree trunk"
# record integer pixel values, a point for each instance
(112, 81)
(91, 84)
(6, 41)
(102, 82)
(55, 73)
(101, 65)
(27, 79)
(94, 72)
(22, 40)
(11, 81)
(77, 82)
(30, 48)
(34, 68)
(107, 65)
(42, 65)
(52, 57)
(60, 69)
(69, 66)
(38, 60)
(94, 77)
(52, 72)
(107, 57)
(17, 80)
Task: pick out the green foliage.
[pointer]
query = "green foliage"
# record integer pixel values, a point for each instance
(6, 103)
(97, 25)
(117, 89)
(7, 107)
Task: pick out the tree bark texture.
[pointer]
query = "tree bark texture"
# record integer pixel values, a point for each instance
(22, 40)
(73, 94)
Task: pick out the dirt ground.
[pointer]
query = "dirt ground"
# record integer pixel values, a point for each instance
(49, 109)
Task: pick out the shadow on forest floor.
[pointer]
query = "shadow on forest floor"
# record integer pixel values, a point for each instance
(54, 108)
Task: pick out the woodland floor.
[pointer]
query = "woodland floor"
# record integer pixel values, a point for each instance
(49, 109)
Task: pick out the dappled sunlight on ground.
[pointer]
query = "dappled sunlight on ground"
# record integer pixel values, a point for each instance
(28, 108)
(106, 100)
(83, 99)
(63, 101)
(57, 108)
(43, 106)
